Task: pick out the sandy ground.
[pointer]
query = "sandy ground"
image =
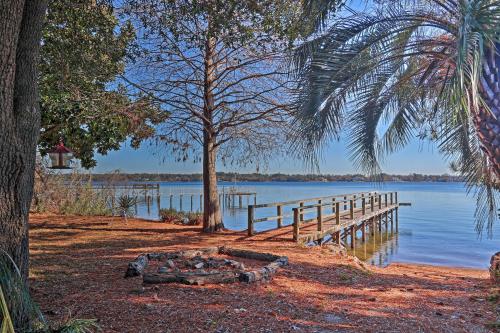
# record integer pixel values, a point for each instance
(78, 264)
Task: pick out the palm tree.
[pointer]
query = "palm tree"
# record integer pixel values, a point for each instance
(426, 68)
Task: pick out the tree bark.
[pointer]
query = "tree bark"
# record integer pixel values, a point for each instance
(487, 122)
(212, 220)
(20, 32)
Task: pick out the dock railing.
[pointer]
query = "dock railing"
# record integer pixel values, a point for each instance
(347, 206)
(342, 203)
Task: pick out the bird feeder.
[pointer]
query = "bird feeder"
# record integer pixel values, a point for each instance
(60, 156)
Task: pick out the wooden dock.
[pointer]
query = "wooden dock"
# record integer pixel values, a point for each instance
(337, 217)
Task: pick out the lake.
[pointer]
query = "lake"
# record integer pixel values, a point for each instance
(438, 228)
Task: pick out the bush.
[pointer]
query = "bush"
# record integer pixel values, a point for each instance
(71, 194)
(173, 216)
(195, 218)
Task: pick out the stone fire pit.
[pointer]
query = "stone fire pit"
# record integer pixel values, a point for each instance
(205, 266)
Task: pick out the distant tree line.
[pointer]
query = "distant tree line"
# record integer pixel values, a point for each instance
(276, 177)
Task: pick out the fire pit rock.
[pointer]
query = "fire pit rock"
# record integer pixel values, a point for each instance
(202, 267)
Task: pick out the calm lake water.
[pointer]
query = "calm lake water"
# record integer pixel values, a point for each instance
(437, 229)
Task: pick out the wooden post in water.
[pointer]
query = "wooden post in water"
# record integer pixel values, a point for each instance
(240, 201)
(392, 220)
(333, 205)
(380, 223)
(279, 212)
(392, 199)
(345, 203)
(353, 236)
(372, 203)
(180, 202)
(320, 216)
(255, 198)
(250, 220)
(158, 202)
(385, 196)
(337, 214)
(191, 203)
(363, 231)
(372, 229)
(351, 209)
(396, 197)
(363, 206)
(296, 222)
(354, 199)
(397, 219)
(380, 201)
(171, 198)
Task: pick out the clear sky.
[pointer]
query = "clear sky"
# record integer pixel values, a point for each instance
(418, 157)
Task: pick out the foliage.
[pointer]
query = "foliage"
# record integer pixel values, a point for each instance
(125, 205)
(17, 293)
(83, 51)
(412, 68)
(215, 67)
(73, 196)
(171, 215)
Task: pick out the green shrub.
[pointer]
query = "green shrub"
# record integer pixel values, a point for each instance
(195, 218)
(125, 205)
(171, 215)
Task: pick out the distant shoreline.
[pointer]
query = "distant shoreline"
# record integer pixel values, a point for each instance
(278, 177)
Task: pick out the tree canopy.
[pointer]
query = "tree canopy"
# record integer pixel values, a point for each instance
(84, 49)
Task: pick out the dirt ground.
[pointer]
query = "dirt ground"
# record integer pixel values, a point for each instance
(78, 266)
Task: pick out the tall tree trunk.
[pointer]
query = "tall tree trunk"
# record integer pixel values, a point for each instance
(20, 32)
(212, 220)
(488, 121)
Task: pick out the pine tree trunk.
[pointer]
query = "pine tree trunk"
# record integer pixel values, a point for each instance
(212, 220)
(488, 121)
(20, 32)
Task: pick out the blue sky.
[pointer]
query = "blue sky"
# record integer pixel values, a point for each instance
(418, 157)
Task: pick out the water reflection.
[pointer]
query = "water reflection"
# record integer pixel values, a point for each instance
(378, 249)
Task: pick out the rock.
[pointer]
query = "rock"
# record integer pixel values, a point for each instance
(185, 221)
(163, 270)
(333, 318)
(170, 264)
(199, 265)
(336, 249)
(495, 268)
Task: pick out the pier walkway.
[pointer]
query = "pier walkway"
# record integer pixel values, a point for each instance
(339, 217)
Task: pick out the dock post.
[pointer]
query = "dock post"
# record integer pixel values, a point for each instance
(353, 236)
(279, 212)
(191, 203)
(296, 222)
(333, 205)
(345, 203)
(363, 231)
(354, 197)
(351, 209)
(392, 199)
(320, 216)
(337, 214)
(363, 205)
(385, 198)
(380, 223)
(240, 201)
(301, 215)
(158, 202)
(372, 229)
(392, 220)
(171, 198)
(250, 220)
(386, 219)
(396, 196)
(255, 199)
(397, 219)
(380, 201)
(372, 203)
